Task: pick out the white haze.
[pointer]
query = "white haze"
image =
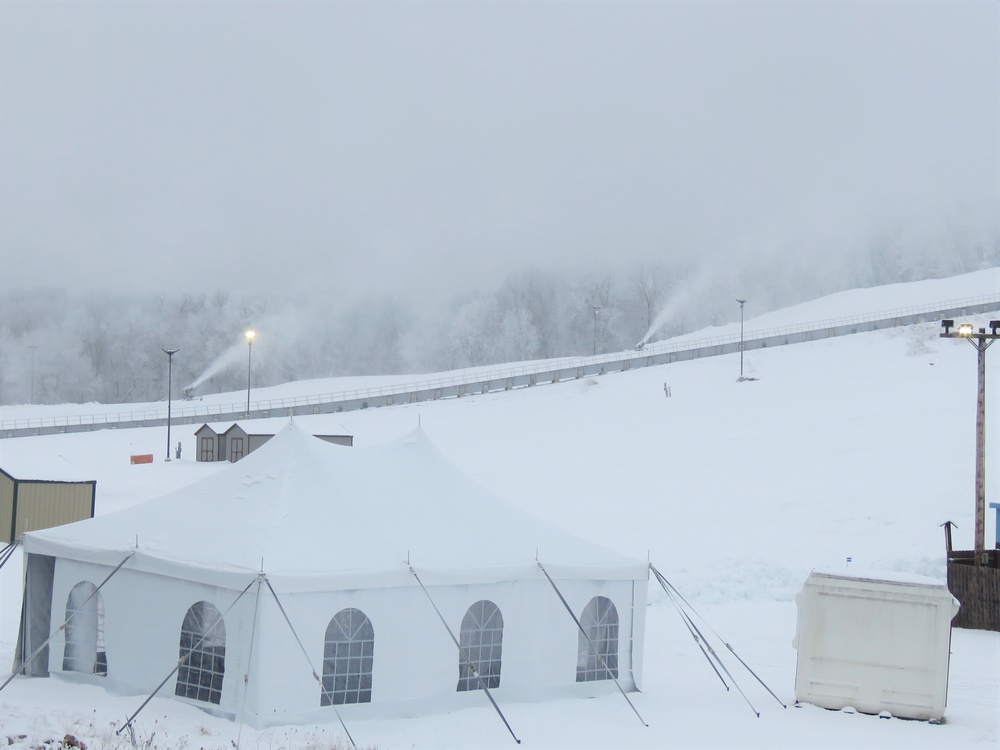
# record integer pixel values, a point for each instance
(420, 148)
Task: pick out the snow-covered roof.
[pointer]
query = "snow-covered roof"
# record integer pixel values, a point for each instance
(313, 515)
(43, 469)
(866, 575)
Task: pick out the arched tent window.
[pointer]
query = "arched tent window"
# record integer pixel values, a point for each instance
(203, 654)
(600, 623)
(348, 653)
(84, 651)
(482, 642)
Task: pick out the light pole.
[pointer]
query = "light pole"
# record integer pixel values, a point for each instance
(742, 302)
(170, 371)
(250, 336)
(982, 341)
(31, 399)
(597, 309)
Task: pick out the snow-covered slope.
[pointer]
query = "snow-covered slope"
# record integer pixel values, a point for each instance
(858, 447)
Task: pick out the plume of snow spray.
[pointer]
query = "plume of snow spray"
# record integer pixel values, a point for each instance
(694, 285)
(234, 355)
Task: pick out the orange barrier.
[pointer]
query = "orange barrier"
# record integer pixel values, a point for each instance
(142, 458)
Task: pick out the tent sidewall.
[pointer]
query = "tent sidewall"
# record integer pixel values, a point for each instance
(415, 665)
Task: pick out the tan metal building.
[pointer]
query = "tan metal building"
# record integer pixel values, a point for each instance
(30, 504)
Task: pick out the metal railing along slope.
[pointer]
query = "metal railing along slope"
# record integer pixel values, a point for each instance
(485, 380)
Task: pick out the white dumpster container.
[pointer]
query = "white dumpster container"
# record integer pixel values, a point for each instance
(876, 641)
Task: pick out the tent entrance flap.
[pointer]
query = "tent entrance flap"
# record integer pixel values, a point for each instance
(25, 662)
(36, 615)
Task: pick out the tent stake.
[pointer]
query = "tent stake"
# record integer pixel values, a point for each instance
(20, 667)
(594, 647)
(466, 659)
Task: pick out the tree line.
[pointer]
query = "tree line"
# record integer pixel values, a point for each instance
(67, 346)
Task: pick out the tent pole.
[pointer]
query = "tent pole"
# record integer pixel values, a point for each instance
(246, 675)
(20, 667)
(465, 658)
(664, 582)
(220, 618)
(302, 648)
(595, 649)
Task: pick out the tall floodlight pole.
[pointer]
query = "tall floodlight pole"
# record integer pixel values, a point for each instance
(31, 399)
(170, 390)
(742, 302)
(982, 341)
(597, 309)
(250, 336)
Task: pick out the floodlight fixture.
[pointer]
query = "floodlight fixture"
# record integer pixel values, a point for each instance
(947, 325)
(965, 329)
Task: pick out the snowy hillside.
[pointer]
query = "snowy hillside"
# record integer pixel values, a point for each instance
(855, 447)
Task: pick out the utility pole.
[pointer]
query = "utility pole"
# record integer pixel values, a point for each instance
(982, 341)
(742, 302)
(597, 309)
(170, 371)
(250, 336)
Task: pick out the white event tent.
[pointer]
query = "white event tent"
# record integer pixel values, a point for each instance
(309, 578)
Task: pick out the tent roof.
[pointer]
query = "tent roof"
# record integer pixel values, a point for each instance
(316, 515)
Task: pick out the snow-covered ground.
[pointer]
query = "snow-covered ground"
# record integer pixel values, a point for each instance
(859, 446)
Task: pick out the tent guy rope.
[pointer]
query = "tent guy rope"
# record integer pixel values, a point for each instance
(7, 551)
(465, 657)
(180, 662)
(309, 661)
(666, 584)
(684, 615)
(696, 634)
(592, 646)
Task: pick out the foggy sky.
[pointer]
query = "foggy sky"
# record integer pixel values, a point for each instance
(336, 147)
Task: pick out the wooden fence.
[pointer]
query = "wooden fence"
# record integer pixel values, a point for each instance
(977, 588)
